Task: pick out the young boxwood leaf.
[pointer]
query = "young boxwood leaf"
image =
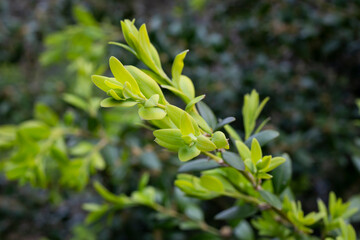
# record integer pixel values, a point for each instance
(211, 183)
(205, 144)
(282, 175)
(224, 122)
(153, 101)
(122, 75)
(263, 137)
(171, 136)
(154, 113)
(207, 114)
(187, 153)
(200, 121)
(186, 125)
(198, 165)
(263, 164)
(126, 47)
(271, 199)
(233, 134)
(220, 140)
(250, 165)
(177, 93)
(243, 150)
(193, 102)
(111, 102)
(233, 160)
(147, 85)
(187, 86)
(256, 153)
(177, 67)
(275, 162)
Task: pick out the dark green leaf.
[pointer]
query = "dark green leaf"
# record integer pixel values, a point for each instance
(198, 165)
(233, 160)
(263, 137)
(270, 198)
(282, 175)
(224, 122)
(207, 114)
(237, 212)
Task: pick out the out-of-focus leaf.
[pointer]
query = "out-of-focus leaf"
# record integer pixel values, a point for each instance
(198, 165)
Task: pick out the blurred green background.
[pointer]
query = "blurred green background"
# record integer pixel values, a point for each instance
(304, 55)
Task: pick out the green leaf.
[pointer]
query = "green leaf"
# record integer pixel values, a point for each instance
(122, 75)
(75, 101)
(34, 129)
(243, 231)
(153, 101)
(198, 165)
(186, 126)
(282, 175)
(233, 134)
(211, 183)
(144, 180)
(263, 137)
(270, 198)
(154, 113)
(99, 81)
(263, 163)
(148, 86)
(187, 153)
(169, 138)
(243, 150)
(177, 67)
(45, 114)
(108, 196)
(177, 93)
(193, 102)
(220, 140)
(207, 114)
(111, 102)
(126, 47)
(250, 165)
(205, 144)
(237, 212)
(187, 87)
(256, 153)
(224, 122)
(275, 162)
(233, 160)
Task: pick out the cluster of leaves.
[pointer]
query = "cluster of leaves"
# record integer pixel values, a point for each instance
(250, 177)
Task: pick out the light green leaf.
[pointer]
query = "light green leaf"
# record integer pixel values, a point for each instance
(275, 162)
(256, 153)
(154, 113)
(187, 153)
(187, 86)
(186, 125)
(220, 140)
(205, 144)
(263, 163)
(193, 102)
(250, 165)
(147, 85)
(169, 136)
(152, 101)
(243, 150)
(126, 47)
(122, 75)
(177, 67)
(211, 183)
(110, 102)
